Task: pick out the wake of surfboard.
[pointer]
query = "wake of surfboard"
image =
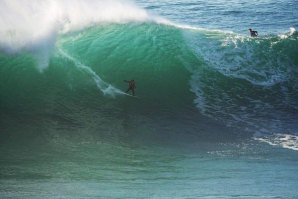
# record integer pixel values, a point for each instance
(104, 87)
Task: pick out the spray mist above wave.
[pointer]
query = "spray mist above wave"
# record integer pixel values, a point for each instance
(28, 23)
(34, 25)
(24, 23)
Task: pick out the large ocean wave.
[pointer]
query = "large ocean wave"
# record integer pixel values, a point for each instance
(54, 64)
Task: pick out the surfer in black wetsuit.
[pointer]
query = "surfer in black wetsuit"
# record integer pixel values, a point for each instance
(131, 86)
(253, 33)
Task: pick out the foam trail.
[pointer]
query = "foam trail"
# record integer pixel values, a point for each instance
(105, 88)
(287, 141)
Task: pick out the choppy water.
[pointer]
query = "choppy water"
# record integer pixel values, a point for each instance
(215, 114)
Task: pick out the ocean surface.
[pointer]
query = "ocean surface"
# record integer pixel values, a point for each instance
(215, 113)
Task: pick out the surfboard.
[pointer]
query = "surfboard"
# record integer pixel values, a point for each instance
(134, 96)
(130, 95)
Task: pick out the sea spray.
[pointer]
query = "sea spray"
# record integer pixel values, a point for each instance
(34, 26)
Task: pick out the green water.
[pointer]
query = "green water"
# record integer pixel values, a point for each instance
(205, 99)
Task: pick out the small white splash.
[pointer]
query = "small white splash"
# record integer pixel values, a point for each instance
(287, 141)
(288, 34)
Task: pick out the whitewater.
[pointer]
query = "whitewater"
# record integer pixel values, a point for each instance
(215, 106)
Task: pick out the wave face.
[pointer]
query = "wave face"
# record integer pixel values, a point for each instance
(69, 73)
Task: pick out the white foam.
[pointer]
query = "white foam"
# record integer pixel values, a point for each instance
(164, 21)
(287, 141)
(288, 34)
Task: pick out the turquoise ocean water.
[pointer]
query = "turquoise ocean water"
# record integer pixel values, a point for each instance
(216, 113)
